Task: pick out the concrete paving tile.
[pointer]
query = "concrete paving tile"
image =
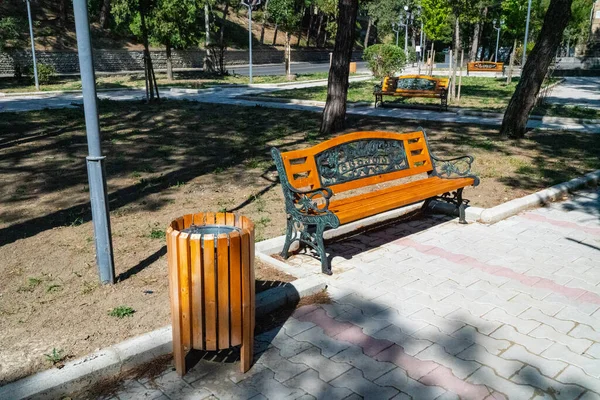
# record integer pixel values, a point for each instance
(354, 380)
(547, 367)
(554, 389)
(265, 384)
(316, 337)
(524, 326)
(504, 368)
(284, 369)
(534, 345)
(486, 376)
(451, 344)
(416, 390)
(326, 368)
(410, 344)
(578, 346)
(460, 367)
(310, 382)
(370, 368)
(590, 366)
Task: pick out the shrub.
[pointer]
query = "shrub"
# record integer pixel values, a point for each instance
(384, 59)
(45, 73)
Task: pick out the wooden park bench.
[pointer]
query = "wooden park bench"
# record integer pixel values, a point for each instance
(485, 66)
(413, 86)
(312, 179)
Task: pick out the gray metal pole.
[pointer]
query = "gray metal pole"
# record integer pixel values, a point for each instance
(35, 74)
(95, 160)
(526, 36)
(397, 32)
(497, 42)
(406, 37)
(250, 36)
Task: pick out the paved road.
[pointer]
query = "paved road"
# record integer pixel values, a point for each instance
(279, 69)
(577, 91)
(430, 309)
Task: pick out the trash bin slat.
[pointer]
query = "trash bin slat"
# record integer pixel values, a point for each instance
(183, 252)
(235, 284)
(196, 290)
(223, 288)
(210, 293)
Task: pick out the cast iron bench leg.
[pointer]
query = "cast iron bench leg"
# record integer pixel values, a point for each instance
(461, 207)
(288, 237)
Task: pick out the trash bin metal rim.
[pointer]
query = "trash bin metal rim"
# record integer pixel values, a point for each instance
(210, 229)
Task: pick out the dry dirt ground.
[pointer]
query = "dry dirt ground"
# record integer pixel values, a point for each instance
(164, 161)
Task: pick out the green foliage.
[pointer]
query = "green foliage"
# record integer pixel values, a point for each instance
(9, 31)
(173, 22)
(55, 356)
(45, 73)
(286, 14)
(157, 233)
(436, 19)
(384, 59)
(121, 312)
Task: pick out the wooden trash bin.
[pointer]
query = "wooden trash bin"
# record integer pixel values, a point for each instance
(211, 284)
(352, 67)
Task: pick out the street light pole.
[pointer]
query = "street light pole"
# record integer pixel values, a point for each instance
(95, 160)
(396, 28)
(250, 4)
(526, 35)
(407, 14)
(35, 73)
(497, 28)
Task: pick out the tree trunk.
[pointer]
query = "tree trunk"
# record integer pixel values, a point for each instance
(264, 23)
(105, 14)
(325, 33)
(334, 114)
(288, 53)
(368, 33)
(475, 42)
(457, 46)
(62, 13)
(512, 62)
(310, 25)
(208, 60)
(299, 38)
(275, 36)
(149, 70)
(523, 99)
(222, 27)
(318, 38)
(169, 61)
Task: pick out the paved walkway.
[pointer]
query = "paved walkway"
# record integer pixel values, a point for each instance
(230, 95)
(577, 91)
(430, 309)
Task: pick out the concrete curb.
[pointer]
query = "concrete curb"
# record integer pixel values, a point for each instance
(124, 356)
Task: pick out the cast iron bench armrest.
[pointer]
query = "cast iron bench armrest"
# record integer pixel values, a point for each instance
(451, 167)
(306, 199)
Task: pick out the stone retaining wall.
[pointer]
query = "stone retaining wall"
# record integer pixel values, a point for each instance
(66, 62)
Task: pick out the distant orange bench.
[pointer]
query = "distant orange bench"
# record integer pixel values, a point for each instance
(485, 66)
(312, 179)
(413, 86)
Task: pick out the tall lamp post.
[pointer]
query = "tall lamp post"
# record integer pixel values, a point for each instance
(35, 74)
(250, 4)
(498, 29)
(396, 28)
(95, 160)
(526, 35)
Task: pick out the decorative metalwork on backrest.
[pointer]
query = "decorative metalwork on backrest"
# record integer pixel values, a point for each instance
(360, 159)
(416, 84)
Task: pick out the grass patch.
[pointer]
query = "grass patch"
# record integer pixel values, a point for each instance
(121, 312)
(55, 356)
(478, 93)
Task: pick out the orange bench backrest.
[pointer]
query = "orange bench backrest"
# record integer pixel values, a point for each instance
(482, 66)
(358, 159)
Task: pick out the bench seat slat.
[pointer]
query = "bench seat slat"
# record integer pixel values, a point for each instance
(362, 206)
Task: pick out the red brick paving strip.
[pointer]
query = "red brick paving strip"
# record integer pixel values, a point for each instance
(533, 281)
(427, 372)
(562, 224)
